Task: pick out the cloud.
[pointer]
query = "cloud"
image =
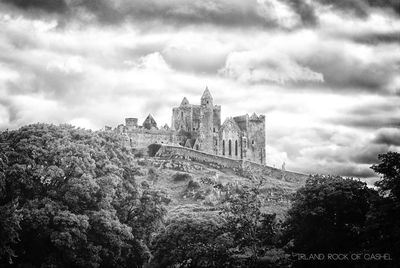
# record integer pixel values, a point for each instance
(306, 61)
(305, 10)
(378, 113)
(368, 153)
(267, 66)
(388, 136)
(364, 122)
(283, 14)
(377, 37)
(176, 12)
(348, 67)
(309, 10)
(56, 6)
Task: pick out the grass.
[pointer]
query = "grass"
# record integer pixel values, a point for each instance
(275, 192)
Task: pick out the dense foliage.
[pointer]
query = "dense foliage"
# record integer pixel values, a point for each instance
(384, 218)
(240, 235)
(69, 198)
(191, 242)
(329, 214)
(336, 215)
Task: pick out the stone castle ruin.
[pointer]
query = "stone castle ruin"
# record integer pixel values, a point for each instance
(198, 127)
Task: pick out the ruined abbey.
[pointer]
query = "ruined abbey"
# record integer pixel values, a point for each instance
(198, 127)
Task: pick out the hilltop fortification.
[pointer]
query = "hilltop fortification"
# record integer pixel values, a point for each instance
(198, 127)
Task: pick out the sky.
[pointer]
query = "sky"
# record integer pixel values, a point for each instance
(326, 73)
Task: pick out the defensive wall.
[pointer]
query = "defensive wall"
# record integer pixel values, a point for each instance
(244, 167)
(139, 138)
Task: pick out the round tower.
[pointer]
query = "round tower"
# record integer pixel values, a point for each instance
(206, 122)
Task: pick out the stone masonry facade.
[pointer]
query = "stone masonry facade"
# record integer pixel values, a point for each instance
(198, 127)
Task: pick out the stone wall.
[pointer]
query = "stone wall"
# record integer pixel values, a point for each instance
(250, 168)
(246, 168)
(140, 138)
(198, 156)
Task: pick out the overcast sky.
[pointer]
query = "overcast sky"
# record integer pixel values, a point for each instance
(326, 73)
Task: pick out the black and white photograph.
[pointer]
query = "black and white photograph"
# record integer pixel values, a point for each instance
(199, 133)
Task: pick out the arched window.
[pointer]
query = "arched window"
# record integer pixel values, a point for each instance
(223, 147)
(181, 114)
(197, 147)
(230, 147)
(236, 148)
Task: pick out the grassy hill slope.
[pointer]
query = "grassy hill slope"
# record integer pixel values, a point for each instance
(197, 188)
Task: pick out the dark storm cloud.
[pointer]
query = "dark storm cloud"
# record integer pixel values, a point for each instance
(305, 10)
(391, 4)
(178, 12)
(51, 6)
(342, 71)
(382, 108)
(376, 38)
(354, 171)
(360, 8)
(367, 122)
(325, 66)
(356, 7)
(388, 136)
(368, 154)
(381, 114)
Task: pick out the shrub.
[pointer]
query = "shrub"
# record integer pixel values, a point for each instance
(139, 154)
(193, 185)
(181, 177)
(145, 185)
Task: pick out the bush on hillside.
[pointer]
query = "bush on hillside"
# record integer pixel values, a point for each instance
(178, 177)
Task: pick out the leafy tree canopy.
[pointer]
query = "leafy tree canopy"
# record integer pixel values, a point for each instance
(68, 198)
(328, 214)
(384, 218)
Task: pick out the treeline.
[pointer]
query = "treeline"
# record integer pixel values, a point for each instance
(68, 198)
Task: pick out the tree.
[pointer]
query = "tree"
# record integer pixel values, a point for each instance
(254, 234)
(384, 218)
(191, 242)
(61, 190)
(9, 230)
(328, 215)
(389, 169)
